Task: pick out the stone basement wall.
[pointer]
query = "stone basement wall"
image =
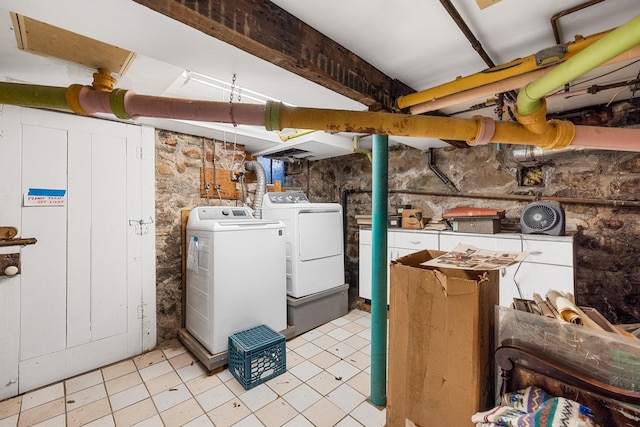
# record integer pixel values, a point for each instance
(178, 162)
(608, 239)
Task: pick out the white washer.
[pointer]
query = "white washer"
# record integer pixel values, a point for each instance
(315, 259)
(235, 274)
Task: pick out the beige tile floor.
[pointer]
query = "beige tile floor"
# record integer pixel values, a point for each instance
(327, 383)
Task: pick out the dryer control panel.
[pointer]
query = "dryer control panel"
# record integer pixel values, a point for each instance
(286, 198)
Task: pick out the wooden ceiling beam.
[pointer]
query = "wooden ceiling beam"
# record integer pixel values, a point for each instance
(267, 31)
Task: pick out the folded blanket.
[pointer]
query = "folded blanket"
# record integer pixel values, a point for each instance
(535, 407)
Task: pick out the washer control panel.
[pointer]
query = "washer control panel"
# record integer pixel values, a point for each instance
(223, 212)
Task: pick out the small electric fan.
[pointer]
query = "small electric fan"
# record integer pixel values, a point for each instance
(543, 217)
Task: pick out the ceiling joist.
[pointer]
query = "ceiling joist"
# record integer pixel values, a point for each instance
(269, 32)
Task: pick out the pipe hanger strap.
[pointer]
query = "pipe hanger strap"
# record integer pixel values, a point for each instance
(486, 130)
(72, 95)
(272, 115)
(116, 101)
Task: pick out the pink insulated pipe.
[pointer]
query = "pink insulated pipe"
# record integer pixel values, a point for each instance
(607, 138)
(127, 104)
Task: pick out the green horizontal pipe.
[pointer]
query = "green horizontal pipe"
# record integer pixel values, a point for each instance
(613, 44)
(34, 96)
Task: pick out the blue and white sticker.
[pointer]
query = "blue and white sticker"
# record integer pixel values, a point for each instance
(45, 197)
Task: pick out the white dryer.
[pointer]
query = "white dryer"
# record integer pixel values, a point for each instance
(235, 274)
(315, 258)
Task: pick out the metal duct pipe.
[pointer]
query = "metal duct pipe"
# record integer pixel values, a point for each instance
(533, 154)
(256, 167)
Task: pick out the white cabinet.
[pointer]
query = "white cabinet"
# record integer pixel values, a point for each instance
(406, 242)
(549, 265)
(366, 253)
(400, 242)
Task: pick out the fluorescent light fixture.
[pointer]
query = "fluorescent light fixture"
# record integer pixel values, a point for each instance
(240, 93)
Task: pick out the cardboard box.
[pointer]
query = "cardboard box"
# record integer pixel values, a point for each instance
(476, 225)
(441, 342)
(410, 218)
(394, 221)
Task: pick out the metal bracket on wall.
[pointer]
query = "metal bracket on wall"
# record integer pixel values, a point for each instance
(438, 172)
(141, 225)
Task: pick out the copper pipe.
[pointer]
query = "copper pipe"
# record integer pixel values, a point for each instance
(554, 18)
(524, 198)
(475, 43)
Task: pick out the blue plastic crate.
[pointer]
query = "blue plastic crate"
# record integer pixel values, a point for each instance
(257, 355)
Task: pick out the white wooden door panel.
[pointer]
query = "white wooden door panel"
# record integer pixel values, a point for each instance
(109, 237)
(43, 294)
(146, 263)
(77, 304)
(9, 286)
(79, 233)
(137, 235)
(42, 370)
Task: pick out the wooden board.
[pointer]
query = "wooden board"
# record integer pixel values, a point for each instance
(482, 4)
(8, 232)
(183, 233)
(276, 187)
(46, 40)
(226, 186)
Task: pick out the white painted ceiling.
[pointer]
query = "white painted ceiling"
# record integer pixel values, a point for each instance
(414, 41)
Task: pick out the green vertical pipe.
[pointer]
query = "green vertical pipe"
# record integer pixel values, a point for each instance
(613, 44)
(379, 265)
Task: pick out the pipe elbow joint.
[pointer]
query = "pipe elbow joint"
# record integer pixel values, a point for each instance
(535, 121)
(526, 104)
(564, 133)
(548, 135)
